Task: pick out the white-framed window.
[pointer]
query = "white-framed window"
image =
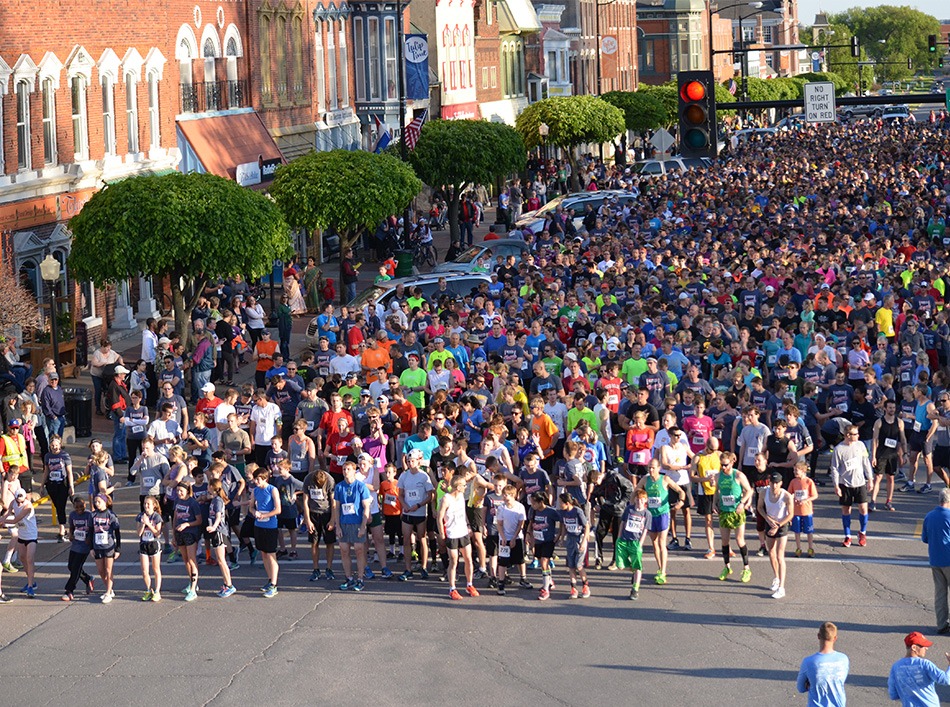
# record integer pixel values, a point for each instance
(24, 149)
(389, 50)
(48, 90)
(494, 76)
(344, 67)
(359, 58)
(767, 34)
(321, 70)
(372, 25)
(331, 66)
(87, 300)
(77, 87)
(132, 113)
(154, 127)
(108, 114)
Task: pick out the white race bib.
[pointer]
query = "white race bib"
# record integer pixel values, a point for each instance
(349, 509)
(101, 538)
(309, 425)
(340, 459)
(316, 494)
(295, 466)
(634, 525)
(917, 426)
(653, 502)
(389, 499)
(504, 550)
(147, 536)
(843, 407)
(56, 475)
(538, 535)
(149, 481)
(853, 465)
(412, 496)
(571, 525)
(638, 457)
(890, 443)
(728, 501)
(79, 535)
(698, 439)
(137, 429)
(801, 496)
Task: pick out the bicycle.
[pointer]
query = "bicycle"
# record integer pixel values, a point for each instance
(424, 254)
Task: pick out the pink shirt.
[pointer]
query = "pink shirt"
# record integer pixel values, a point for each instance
(698, 430)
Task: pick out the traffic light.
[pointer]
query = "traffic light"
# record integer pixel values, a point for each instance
(932, 43)
(697, 114)
(855, 47)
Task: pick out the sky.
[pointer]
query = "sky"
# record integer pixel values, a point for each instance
(807, 9)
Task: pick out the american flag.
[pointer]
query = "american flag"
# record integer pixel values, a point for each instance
(732, 86)
(414, 128)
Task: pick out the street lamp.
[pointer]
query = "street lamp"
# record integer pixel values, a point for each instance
(50, 271)
(543, 131)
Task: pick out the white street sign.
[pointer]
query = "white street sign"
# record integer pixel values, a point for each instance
(820, 102)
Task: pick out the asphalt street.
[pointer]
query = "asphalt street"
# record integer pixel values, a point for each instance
(695, 640)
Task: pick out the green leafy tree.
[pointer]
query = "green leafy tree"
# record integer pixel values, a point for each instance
(188, 227)
(454, 153)
(891, 35)
(666, 94)
(349, 192)
(571, 121)
(641, 111)
(841, 85)
(723, 99)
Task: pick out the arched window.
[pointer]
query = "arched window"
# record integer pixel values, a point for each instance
(296, 43)
(77, 88)
(108, 114)
(281, 51)
(266, 76)
(132, 112)
(23, 146)
(49, 121)
(154, 130)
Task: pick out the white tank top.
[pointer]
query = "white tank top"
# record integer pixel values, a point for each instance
(456, 525)
(776, 509)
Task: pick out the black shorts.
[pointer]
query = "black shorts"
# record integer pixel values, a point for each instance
(458, 543)
(516, 556)
(287, 522)
(414, 521)
(215, 539)
(167, 506)
(103, 554)
(149, 548)
(431, 526)
(916, 441)
(761, 525)
(543, 550)
(232, 516)
(474, 517)
(941, 457)
(782, 532)
(247, 528)
(266, 539)
(853, 496)
(27, 542)
(888, 465)
(186, 539)
(392, 525)
(491, 545)
(320, 531)
(704, 505)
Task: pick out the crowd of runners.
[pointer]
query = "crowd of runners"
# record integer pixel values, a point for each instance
(663, 376)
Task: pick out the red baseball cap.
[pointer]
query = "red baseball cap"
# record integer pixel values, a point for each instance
(917, 639)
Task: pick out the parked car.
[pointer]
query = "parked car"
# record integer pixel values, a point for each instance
(382, 294)
(468, 259)
(850, 112)
(533, 221)
(792, 122)
(898, 112)
(672, 165)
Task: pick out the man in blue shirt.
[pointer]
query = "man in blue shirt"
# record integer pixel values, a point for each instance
(822, 675)
(913, 677)
(936, 533)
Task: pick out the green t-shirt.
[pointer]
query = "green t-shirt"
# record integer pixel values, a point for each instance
(442, 356)
(353, 390)
(574, 417)
(569, 312)
(632, 369)
(414, 379)
(554, 365)
(658, 497)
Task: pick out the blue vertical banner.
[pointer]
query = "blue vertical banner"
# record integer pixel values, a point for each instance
(417, 67)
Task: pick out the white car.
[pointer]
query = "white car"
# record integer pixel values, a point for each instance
(901, 112)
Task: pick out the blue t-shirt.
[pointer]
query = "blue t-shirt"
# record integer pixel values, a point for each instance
(351, 497)
(936, 533)
(912, 682)
(822, 676)
(264, 500)
(544, 525)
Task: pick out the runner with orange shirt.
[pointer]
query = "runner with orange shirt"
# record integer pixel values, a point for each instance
(639, 446)
(264, 352)
(804, 492)
(406, 412)
(392, 509)
(544, 432)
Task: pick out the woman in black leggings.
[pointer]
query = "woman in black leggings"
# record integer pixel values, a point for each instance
(58, 480)
(80, 532)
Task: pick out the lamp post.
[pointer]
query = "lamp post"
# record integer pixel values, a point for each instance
(401, 71)
(50, 272)
(543, 131)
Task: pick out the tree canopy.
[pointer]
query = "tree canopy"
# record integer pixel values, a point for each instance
(666, 94)
(458, 152)
(190, 227)
(642, 111)
(571, 121)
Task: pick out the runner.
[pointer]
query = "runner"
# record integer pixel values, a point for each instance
(81, 536)
(187, 522)
(733, 499)
(805, 493)
(888, 447)
(106, 542)
(416, 492)
(22, 515)
(264, 509)
(705, 468)
(658, 489)
(510, 519)
(215, 534)
(544, 531)
(634, 526)
(318, 516)
(149, 523)
(351, 514)
(574, 531)
(454, 532)
(58, 480)
(853, 478)
(776, 505)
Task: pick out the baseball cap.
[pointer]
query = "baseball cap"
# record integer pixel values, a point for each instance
(122, 369)
(611, 346)
(412, 354)
(15, 422)
(381, 398)
(364, 392)
(207, 388)
(438, 340)
(570, 356)
(775, 477)
(351, 374)
(917, 639)
(869, 297)
(54, 376)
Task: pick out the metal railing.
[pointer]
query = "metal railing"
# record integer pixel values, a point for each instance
(213, 95)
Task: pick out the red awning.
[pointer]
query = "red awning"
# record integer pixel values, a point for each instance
(223, 142)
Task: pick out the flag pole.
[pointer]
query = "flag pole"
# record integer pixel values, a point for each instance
(403, 151)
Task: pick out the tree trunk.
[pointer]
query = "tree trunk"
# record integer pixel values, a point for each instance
(575, 169)
(346, 242)
(182, 307)
(455, 198)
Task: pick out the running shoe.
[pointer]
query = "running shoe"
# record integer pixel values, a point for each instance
(129, 483)
(597, 564)
(798, 552)
(107, 598)
(61, 538)
(387, 573)
(551, 586)
(172, 556)
(926, 488)
(330, 575)
(156, 597)
(909, 486)
(611, 567)
(775, 584)
(847, 541)
(762, 552)
(888, 506)
(67, 597)
(147, 596)
(281, 554)
(501, 589)
(674, 544)
(233, 566)
(710, 555)
(544, 595)
(779, 593)
(293, 555)
(862, 539)
(358, 585)
(724, 575)
(315, 576)
(585, 591)
(226, 592)
(17, 564)
(347, 585)
(191, 595)
(943, 631)
(479, 574)
(267, 586)
(423, 574)
(454, 595)
(872, 506)
(811, 552)
(390, 555)
(27, 587)
(444, 577)
(4, 599)
(252, 553)
(8, 567)
(31, 591)
(661, 578)
(271, 592)
(405, 576)
(688, 546)
(368, 574)
(573, 594)
(746, 575)
(472, 592)
(492, 583)
(634, 594)
(900, 476)
(525, 584)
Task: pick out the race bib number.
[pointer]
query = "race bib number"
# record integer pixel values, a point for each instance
(634, 525)
(149, 481)
(349, 509)
(853, 465)
(147, 536)
(295, 466)
(101, 538)
(79, 535)
(917, 426)
(137, 429)
(772, 359)
(413, 496)
(309, 425)
(890, 443)
(801, 496)
(613, 400)
(571, 526)
(653, 502)
(389, 499)
(728, 501)
(317, 494)
(843, 407)
(197, 452)
(340, 459)
(638, 457)
(56, 475)
(698, 440)
(504, 550)
(538, 535)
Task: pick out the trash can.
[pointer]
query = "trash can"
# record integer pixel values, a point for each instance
(403, 263)
(79, 410)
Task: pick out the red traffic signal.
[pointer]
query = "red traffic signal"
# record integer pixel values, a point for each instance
(697, 114)
(693, 91)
